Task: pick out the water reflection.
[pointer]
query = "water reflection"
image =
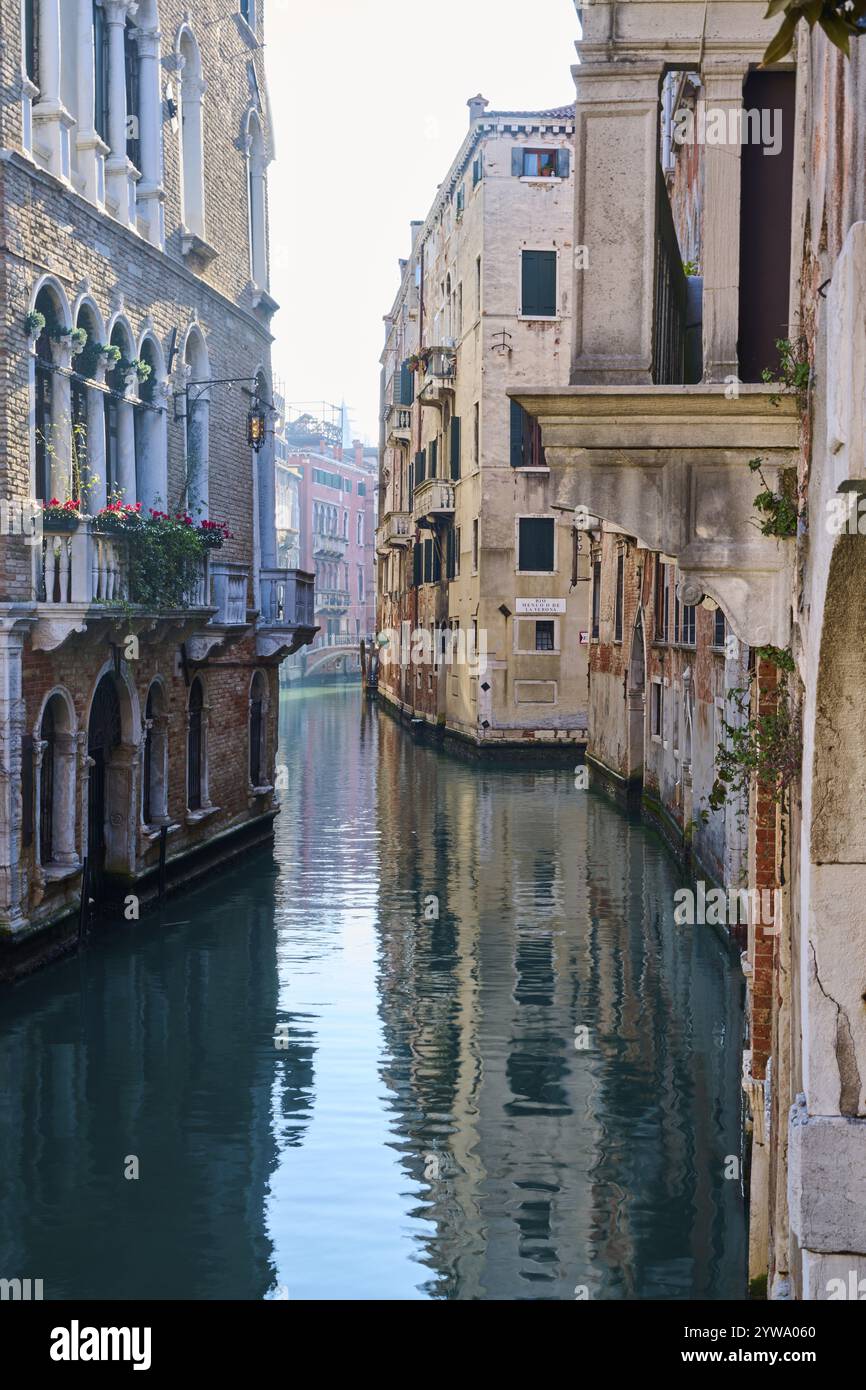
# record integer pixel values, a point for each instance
(359, 1071)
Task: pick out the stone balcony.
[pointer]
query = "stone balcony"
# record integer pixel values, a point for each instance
(329, 547)
(433, 499)
(669, 465)
(395, 532)
(286, 621)
(332, 601)
(398, 424)
(438, 374)
(81, 585)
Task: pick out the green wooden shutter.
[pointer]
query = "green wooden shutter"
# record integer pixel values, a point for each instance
(420, 461)
(538, 287)
(437, 560)
(411, 482)
(455, 448)
(449, 553)
(517, 414)
(477, 170)
(535, 551)
(434, 457)
(416, 564)
(407, 386)
(428, 562)
(517, 161)
(563, 163)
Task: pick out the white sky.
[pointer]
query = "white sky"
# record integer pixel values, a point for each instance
(369, 106)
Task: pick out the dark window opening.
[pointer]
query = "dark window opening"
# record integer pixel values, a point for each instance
(527, 450)
(46, 790)
(620, 594)
(719, 628)
(195, 747)
(131, 63)
(596, 599)
(535, 544)
(538, 284)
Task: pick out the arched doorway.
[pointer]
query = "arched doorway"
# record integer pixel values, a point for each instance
(636, 712)
(103, 739)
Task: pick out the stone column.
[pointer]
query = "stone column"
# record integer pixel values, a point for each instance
(118, 177)
(96, 458)
(60, 443)
(126, 473)
(192, 90)
(267, 497)
(12, 882)
(51, 120)
(722, 92)
(64, 800)
(150, 192)
(616, 162)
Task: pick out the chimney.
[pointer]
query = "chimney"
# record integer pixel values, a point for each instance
(477, 106)
(358, 446)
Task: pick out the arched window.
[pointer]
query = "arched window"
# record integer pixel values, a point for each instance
(360, 529)
(46, 789)
(197, 424)
(100, 72)
(133, 88)
(56, 771)
(31, 41)
(191, 136)
(258, 707)
(257, 202)
(195, 747)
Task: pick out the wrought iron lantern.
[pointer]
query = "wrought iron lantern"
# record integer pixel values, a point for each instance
(256, 422)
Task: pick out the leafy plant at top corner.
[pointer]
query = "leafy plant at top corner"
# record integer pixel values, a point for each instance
(766, 746)
(841, 20)
(690, 268)
(34, 322)
(794, 370)
(779, 509)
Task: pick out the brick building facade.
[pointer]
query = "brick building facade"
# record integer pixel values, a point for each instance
(135, 143)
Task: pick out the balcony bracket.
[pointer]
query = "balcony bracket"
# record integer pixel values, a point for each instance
(670, 464)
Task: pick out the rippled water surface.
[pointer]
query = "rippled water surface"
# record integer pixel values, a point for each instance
(445, 1042)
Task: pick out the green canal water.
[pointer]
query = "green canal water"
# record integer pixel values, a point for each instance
(446, 1042)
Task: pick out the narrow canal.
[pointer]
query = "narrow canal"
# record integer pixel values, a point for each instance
(446, 1042)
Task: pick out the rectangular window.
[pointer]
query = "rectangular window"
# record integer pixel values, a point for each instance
(476, 434)
(360, 583)
(362, 489)
(477, 170)
(596, 599)
(406, 387)
(676, 613)
(526, 448)
(428, 562)
(719, 628)
(538, 284)
(539, 164)
(434, 458)
(688, 625)
(535, 544)
(420, 466)
(478, 283)
(620, 593)
(544, 637)
(666, 604)
(475, 546)
(110, 445)
(657, 710)
(455, 448)
(411, 484)
(457, 552)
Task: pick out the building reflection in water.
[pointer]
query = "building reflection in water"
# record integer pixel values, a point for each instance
(349, 1070)
(550, 1170)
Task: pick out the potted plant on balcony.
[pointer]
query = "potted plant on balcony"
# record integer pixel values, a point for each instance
(62, 516)
(213, 533)
(118, 518)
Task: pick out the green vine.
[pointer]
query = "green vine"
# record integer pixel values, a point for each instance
(793, 372)
(766, 747)
(778, 509)
(841, 20)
